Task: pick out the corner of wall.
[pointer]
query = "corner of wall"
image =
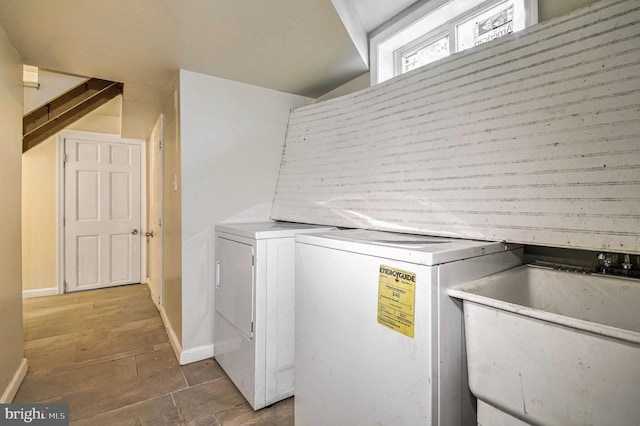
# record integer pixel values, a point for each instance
(14, 384)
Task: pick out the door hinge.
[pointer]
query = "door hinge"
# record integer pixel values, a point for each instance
(64, 286)
(160, 144)
(65, 158)
(253, 260)
(160, 223)
(252, 326)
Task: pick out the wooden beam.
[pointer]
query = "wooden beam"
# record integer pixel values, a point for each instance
(71, 113)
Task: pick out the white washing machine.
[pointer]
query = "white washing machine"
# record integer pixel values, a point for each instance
(254, 307)
(377, 339)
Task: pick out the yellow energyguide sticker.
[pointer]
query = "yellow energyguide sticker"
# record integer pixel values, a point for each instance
(397, 299)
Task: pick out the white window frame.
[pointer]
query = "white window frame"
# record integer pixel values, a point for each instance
(415, 45)
(404, 33)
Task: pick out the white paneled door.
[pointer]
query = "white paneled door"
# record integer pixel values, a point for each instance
(102, 212)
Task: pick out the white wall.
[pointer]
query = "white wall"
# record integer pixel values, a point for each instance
(52, 84)
(232, 137)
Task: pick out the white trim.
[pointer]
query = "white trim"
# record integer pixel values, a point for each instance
(60, 212)
(393, 26)
(187, 356)
(421, 22)
(40, 292)
(196, 354)
(13, 386)
(107, 137)
(143, 207)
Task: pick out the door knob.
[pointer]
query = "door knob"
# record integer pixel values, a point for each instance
(134, 232)
(149, 234)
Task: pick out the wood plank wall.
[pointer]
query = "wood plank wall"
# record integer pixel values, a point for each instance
(534, 138)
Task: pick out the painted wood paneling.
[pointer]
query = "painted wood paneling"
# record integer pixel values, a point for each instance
(534, 138)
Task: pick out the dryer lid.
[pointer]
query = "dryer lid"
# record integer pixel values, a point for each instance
(269, 229)
(420, 249)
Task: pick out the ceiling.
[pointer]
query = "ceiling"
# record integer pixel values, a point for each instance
(303, 47)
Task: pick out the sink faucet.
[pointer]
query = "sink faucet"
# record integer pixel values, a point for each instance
(608, 264)
(607, 260)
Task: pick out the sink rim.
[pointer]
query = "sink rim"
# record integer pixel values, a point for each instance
(466, 293)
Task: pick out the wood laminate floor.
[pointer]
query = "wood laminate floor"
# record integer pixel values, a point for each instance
(106, 353)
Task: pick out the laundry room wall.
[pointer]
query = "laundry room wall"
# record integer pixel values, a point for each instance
(532, 139)
(171, 308)
(231, 137)
(13, 365)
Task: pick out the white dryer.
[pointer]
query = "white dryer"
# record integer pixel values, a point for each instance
(254, 307)
(378, 340)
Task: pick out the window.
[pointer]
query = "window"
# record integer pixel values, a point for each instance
(437, 28)
(429, 52)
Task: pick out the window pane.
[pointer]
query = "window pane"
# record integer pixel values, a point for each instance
(425, 54)
(489, 25)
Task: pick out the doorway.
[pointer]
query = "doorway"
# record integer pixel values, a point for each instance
(100, 210)
(154, 215)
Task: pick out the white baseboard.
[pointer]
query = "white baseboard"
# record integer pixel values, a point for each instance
(40, 292)
(196, 354)
(190, 355)
(12, 389)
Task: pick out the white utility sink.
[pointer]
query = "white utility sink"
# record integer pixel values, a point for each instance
(547, 347)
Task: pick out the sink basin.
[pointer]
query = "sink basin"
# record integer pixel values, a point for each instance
(548, 347)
